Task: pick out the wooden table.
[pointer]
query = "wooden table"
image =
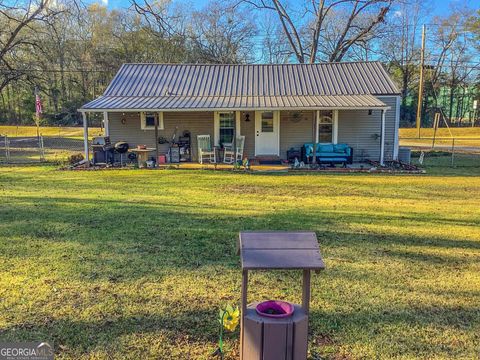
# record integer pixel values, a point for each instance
(269, 250)
(142, 155)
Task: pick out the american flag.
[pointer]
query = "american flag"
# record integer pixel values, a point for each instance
(38, 105)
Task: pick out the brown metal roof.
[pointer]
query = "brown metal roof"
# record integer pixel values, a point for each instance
(194, 87)
(192, 103)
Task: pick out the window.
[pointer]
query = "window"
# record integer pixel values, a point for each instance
(148, 120)
(226, 127)
(267, 121)
(325, 126)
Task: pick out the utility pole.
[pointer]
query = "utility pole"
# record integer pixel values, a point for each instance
(420, 86)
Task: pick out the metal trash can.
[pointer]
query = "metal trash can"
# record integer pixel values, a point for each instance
(264, 337)
(404, 155)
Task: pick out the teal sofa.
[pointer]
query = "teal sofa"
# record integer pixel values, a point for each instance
(328, 153)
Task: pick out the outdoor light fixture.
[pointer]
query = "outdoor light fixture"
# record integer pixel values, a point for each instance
(247, 117)
(370, 111)
(124, 120)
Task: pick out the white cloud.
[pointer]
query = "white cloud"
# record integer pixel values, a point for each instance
(105, 2)
(397, 14)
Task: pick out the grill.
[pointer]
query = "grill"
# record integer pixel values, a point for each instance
(121, 147)
(102, 150)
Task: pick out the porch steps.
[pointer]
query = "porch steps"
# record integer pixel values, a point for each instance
(266, 160)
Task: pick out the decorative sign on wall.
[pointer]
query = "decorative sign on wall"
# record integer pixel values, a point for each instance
(297, 116)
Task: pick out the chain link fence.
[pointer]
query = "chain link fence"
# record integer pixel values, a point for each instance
(444, 151)
(33, 149)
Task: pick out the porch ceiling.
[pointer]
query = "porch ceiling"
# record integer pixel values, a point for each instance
(230, 103)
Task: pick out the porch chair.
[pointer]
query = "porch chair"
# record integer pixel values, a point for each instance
(239, 145)
(205, 149)
(228, 153)
(233, 152)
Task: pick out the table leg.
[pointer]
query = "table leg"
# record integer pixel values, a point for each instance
(141, 159)
(306, 291)
(243, 308)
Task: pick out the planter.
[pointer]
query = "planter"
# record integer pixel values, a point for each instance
(275, 309)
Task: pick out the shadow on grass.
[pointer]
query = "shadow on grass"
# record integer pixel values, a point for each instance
(370, 323)
(97, 239)
(118, 241)
(459, 318)
(85, 336)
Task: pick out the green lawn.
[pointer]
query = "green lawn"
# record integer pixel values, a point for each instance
(66, 131)
(59, 142)
(134, 264)
(457, 132)
(464, 137)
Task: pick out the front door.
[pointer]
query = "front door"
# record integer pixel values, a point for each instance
(267, 133)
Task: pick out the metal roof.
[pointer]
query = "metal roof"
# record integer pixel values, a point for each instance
(185, 103)
(205, 86)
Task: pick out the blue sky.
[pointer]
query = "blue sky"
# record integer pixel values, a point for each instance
(439, 7)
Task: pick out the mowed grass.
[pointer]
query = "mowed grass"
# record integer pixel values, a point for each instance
(134, 264)
(457, 132)
(440, 163)
(74, 132)
(466, 138)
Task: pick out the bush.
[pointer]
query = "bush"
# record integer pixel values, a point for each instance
(75, 158)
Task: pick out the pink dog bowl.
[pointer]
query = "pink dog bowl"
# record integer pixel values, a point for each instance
(275, 309)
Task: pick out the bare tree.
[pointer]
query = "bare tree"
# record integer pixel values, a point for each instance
(18, 20)
(157, 14)
(399, 48)
(221, 34)
(454, 57)
(305, 37)
(275, 48)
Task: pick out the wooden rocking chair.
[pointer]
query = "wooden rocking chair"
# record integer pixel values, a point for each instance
(233, 153)
(205, 149)
(239, 146)
(228, 153)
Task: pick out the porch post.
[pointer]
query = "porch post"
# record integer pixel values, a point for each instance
(335, 127)
(382, 139)
(106, 125)
(85, 136)
(157, 151)
(315, 137)
(216, 128)
(238, 117)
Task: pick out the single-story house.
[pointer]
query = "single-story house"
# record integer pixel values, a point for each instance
(276, 107)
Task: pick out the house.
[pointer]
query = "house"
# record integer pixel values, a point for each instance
(276, 107)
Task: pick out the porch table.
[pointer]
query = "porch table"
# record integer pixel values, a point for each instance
(142, 155)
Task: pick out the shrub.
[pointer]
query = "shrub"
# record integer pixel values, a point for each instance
(75, 158)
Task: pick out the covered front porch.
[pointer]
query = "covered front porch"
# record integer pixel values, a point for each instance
(269, 133)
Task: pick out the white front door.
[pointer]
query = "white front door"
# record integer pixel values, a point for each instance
(267, 133)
